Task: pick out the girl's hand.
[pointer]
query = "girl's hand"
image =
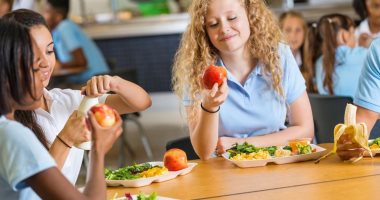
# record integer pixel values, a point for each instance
(75, 130)
(104, 137)
(365, 40)
(225, 143)
(99, 85)
(215, 97)
(348, 150)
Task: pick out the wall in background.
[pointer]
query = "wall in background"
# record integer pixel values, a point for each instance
(92, 6)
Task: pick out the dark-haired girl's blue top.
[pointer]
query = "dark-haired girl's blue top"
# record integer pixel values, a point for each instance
(21, 156)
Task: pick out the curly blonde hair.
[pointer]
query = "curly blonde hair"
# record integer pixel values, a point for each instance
(196, 52)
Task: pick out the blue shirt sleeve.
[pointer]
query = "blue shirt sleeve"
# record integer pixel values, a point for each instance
(293, 81)
(22, 155)
(68, 33)
(368, 92)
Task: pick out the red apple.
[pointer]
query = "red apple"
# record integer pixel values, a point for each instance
(175, 159)
(103, 114)
(214, 74)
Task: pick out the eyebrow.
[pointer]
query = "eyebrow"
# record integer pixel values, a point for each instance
(50, 43)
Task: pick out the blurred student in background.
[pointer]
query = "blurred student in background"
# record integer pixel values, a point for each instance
(73, 47)
(369, 28)
(331, 49)
(294, 27)
(5, 6)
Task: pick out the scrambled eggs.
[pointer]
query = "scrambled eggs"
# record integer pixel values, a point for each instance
(155, 171)
(374, 146)
(252, 156)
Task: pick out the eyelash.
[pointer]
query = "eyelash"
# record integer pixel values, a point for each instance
(216, 24)
(213, 25)
(232, 18)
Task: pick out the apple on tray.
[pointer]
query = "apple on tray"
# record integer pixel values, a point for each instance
(175, 159)
(214, 74)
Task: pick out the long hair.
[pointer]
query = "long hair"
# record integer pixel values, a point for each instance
(29, 19)
(322, 41)
(16, 55)
(307, 72)
(311, 52)
(196, 52)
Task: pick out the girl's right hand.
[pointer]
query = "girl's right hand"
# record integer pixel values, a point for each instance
(75, 130)
(347, 149)
(215, 97)
(104, 137)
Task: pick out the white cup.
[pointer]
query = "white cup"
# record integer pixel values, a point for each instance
(84, 107)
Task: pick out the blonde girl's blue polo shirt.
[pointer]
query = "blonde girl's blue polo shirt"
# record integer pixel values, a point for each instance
(254, 108)
(368, 92)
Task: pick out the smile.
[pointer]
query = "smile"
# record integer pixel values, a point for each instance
(228, 37)
(45, 75)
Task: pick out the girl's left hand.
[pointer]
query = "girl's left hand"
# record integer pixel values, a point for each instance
(225, 143)
(99, 85)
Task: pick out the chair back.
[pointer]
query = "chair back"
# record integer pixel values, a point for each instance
(328, 111)
(375, 132)
(184, 144)
(129, 74)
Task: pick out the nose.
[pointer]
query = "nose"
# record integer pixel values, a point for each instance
(43, 61)
(225, 27)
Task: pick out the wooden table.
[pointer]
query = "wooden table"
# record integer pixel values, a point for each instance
(218, 178)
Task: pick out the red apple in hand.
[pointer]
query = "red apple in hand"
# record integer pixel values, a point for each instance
(214, 74)
(175, 159)
(104, 114)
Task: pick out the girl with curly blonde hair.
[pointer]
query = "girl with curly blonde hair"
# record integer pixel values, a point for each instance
(263, 80)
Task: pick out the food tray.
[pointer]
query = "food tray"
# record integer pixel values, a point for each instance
(279, 160)
(147, 181)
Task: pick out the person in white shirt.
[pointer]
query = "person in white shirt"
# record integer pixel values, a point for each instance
(24, 162)
(60, 126)
(369, 28)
